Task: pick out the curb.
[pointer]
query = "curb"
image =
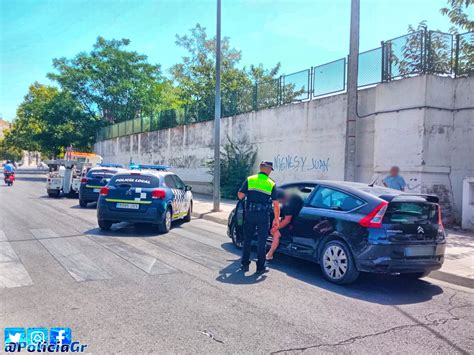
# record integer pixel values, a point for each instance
(208, 216)
(452, 279)
(437, 275)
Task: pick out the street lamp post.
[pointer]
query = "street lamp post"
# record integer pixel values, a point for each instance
(217, 115)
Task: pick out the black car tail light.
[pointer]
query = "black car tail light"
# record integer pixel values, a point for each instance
(441, 233)
(374, 218)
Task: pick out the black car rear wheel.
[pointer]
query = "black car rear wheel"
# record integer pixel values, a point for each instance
(337, 263)
(83, 203)
(53, 193)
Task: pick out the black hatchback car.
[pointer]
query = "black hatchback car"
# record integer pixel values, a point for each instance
(95, 179)
(350, 228)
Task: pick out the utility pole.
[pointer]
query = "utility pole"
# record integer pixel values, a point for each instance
(217, 116)
(352, 73)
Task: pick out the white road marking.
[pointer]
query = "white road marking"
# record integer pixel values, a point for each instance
(7, 253)
(77, 264)
(201, 237)
(3, 237)
(137, 257)
(12, 271)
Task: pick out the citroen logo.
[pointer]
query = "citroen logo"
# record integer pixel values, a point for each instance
(129, 192)
(420, 230)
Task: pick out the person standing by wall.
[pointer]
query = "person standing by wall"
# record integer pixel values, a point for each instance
(394, 180)
(261, 193)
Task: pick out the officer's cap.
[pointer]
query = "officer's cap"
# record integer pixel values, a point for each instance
(266, 164)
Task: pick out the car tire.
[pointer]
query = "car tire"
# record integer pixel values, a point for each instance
(187, 218)
(104, 225)
(234, 236)
(165, 226)
(53, 194)
(83, 203)
(415, 275)
(337, 263)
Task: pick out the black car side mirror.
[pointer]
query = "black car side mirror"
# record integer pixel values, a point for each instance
(188, 188)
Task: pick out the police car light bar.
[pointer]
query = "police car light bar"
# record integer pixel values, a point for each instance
(110, 165)
(152, 167)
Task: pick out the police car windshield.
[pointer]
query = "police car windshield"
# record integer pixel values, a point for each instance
(101, 173)
(134, 180)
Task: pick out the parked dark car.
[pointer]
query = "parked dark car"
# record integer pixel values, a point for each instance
(95, 179)
(146, 194)
(350, 228)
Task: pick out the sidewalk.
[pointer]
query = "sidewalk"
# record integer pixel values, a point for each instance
(458, 267)
(203, 206)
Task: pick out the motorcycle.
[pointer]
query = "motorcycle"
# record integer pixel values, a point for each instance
(9, 178)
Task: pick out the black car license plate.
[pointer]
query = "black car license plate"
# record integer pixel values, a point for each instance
(420, 250)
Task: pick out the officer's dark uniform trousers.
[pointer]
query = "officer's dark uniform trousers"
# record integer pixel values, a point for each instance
(257, 219)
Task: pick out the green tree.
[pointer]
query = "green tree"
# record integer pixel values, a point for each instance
(7, 150)
(431, 51)
(457, 12)
(49, 120)
(195, 76)
(112, 82)
(237, 161)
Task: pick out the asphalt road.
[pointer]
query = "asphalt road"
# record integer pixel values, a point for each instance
(134, 291)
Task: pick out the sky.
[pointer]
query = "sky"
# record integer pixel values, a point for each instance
(297, 33)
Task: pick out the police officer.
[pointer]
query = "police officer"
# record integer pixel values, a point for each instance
(261, 193)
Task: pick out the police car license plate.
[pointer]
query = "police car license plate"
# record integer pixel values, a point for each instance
(96, 190)
(130, 206)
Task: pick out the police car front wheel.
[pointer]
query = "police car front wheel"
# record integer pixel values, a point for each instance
(187, 218)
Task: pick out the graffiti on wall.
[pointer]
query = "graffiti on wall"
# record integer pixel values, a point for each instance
(290, 162)
(186, 162)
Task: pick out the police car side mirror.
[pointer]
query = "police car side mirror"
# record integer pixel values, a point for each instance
(188, 188)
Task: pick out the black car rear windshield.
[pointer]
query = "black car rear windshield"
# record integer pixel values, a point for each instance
(405, 212)
(135, 180)
(102, 173)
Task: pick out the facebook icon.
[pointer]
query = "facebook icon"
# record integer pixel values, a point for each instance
(60, 336)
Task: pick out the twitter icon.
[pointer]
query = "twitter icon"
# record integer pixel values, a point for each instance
(15, 335)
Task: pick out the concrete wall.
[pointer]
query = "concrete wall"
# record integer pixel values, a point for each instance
(433, 147)
(468, 204)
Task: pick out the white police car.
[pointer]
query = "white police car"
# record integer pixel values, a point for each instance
(144, 194)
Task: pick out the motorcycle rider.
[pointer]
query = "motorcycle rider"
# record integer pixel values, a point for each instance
(8, 169)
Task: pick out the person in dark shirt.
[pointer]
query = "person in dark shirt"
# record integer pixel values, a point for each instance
(291, 207)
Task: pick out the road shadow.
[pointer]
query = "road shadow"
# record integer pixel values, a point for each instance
(90, 205)
(374, 288)
(232, 274)
(30, 178)
(125, 229)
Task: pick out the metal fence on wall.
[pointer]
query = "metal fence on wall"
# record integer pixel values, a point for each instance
(417, 53)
